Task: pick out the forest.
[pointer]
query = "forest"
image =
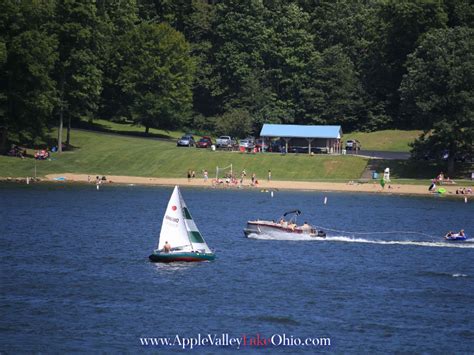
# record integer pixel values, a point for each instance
(229, 66)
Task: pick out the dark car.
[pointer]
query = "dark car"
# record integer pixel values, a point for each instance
(185, 141)
(278, 146)
(204, 142)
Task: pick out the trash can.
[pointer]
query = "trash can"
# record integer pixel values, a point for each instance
(375, 175)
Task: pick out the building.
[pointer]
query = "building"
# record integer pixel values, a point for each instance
(308, 138)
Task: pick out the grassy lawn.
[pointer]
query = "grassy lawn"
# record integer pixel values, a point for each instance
(408, 171)
(389, 140)
(97, 153)
(127, 128)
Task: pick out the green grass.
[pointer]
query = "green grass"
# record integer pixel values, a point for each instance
(127, 128)
(406, 171)
(389, 140)
(97, 153)
(104, 154)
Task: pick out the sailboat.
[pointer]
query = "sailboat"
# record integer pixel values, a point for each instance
(180, 239)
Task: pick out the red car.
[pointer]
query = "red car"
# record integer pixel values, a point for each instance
(204, 142)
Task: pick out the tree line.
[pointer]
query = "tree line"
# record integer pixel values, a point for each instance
(229, 66)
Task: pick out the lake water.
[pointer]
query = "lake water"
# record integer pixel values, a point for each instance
(75, 275)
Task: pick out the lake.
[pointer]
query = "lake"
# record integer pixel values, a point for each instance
(75, 275)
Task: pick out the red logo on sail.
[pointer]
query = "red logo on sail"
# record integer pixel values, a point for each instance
(173, 208)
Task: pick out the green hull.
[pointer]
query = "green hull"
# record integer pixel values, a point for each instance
(185, 256)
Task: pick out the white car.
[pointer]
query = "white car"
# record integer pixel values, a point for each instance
(246, 143)
(185, 141)
(353, 144)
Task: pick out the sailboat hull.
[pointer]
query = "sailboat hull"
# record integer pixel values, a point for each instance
(185, 256)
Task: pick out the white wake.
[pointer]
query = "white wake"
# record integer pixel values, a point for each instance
(344, 239)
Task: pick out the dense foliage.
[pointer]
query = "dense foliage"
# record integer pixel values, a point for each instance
(203, 64)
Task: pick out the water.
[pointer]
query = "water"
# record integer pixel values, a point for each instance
(75, 275)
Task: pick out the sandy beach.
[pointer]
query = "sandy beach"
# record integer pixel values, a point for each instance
(369, 187)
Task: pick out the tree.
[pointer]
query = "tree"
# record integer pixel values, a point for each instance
(116, 20)
(236, 123)
(157, 75)
(438, 93)
(238, 37)
(28, 55)
(332, 91)
(32, 91)
(398, 27)
(287, 55)
(78, 71)
(344, 23)
(3, 99)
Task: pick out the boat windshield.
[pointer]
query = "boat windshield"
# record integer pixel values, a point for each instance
(294, 214)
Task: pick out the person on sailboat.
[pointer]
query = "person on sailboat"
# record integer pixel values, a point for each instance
(167, 247)
(461, 233)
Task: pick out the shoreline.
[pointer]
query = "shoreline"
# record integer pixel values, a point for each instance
(372, 186)
(368, 187)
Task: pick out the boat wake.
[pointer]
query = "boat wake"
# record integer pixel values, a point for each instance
(345, 239)
(282, 236)
(440, 244)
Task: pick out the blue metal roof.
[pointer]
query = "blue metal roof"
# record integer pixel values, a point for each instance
(300, 131)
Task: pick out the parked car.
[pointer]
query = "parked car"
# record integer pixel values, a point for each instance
(225, 142)
(246, 143)
(204, 142)
(353, 144)
(185, 141)
(262, 144)
(277, 146)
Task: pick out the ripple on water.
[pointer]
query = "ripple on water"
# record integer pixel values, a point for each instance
(277, 320)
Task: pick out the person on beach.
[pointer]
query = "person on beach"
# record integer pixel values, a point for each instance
(206, 175)
(432, 186)
(269, 175)
(193, 174)
(440, 177)
(189, 175)
(254, 179)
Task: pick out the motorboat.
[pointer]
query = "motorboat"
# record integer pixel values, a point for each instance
(283, 226)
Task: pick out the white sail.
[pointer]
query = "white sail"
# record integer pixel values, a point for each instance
(173, 228)
(195, 237)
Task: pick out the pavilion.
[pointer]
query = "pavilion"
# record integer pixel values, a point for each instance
(324, 139)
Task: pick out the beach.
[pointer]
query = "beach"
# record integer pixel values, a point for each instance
(372, 186)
